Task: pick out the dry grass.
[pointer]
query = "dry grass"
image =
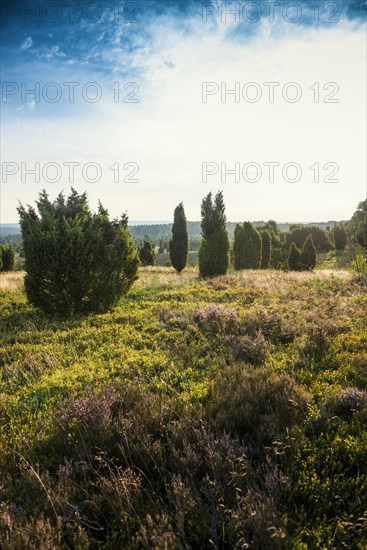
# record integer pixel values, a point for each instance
(12, 281)
(157, 276)
(166, 276)
(279, 281)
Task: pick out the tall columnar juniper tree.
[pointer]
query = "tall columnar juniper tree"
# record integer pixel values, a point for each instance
(308, 254)
(76, 261)
(179, 244)
(214, 249)
(247, 247)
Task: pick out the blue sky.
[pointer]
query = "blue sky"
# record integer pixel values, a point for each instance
(157, 55)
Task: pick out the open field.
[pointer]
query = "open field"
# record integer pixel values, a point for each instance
(12, 282)
(222, 413)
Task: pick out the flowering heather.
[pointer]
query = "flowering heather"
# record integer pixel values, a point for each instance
(349, 401)
(89, 409)
(221, 413)
(218, 319)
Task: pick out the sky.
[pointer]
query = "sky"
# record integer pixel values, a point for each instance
(147, 103)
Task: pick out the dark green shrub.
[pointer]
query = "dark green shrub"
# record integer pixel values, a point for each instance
(298, 233)
(339, 237)
(214, 249)
(147, 254)
(76, 261)
(7, 257)
(179, 244)
(247, 247)
(294, 258)
(308, 254)
(357, 226)
(266, 250)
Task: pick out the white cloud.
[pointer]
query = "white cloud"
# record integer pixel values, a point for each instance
(26, 44)
(52, 52)
(171, 132)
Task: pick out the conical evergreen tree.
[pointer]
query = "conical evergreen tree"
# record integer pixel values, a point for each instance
(179, 244)
(7, 257)
(266, 249)
(76, 261)
(238, 248)
(308, 254)
(247, 247)
(294, 258)
(160, 247)
(147, 254)
(214, 250)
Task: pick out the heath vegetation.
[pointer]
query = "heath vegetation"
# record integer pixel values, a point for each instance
(208, 408)
(221, 413)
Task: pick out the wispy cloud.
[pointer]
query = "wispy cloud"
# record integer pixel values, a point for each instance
(170, 132)
(26, 44)
(52, 52)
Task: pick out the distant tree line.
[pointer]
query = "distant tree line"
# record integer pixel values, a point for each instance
(77, 261)
(265, 246)
(275, 243)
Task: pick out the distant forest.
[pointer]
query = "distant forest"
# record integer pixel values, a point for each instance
(163, 231)
(160, 233)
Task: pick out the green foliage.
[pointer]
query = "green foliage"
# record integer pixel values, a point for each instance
(266, 250)
(163, 425)
(359, 265)
(357, 226)
(247, 247)
(179, 244)
(272, 227)
(279, 257)
(147, 254)
(161, 247)
(278, 252)
(294, 255)
(7, 257)
(257, 406)
(308, 254)
(329, 464)
(214, 249)
(298, 234)
(339, 236)
(76, 261)
(238, 247)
